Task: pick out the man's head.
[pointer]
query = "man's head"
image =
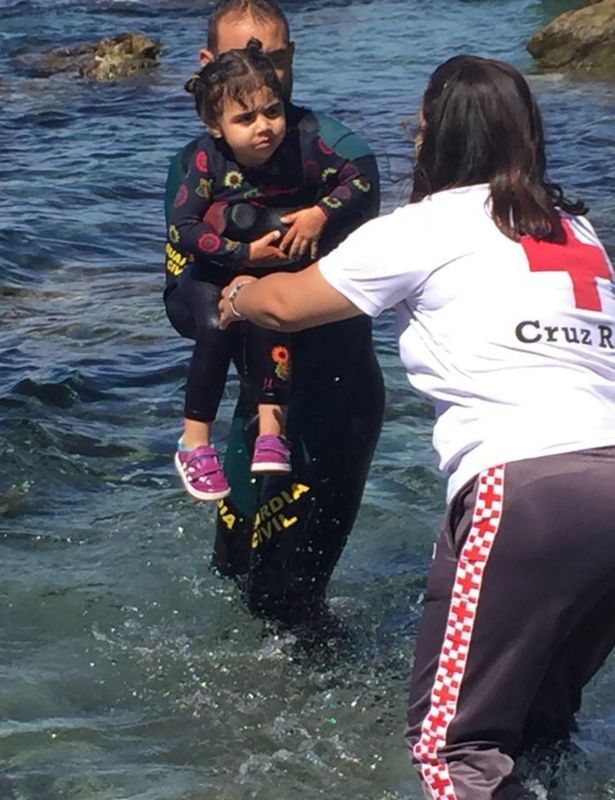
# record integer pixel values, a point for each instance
(233, 23)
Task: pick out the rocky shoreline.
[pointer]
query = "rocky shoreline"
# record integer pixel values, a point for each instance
(110, 59)
(581, 40)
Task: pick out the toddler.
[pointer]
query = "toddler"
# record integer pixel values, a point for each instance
(249, 170)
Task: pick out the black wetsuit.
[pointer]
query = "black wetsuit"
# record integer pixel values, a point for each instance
(281, 537)
(303, 172)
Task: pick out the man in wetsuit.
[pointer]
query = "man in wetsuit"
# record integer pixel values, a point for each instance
(281, 537)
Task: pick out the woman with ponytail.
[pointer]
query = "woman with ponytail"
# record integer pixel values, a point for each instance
(506, 320)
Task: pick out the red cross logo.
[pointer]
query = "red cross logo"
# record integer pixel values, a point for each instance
(489, 495)
(486, 525)
(474, 554)
(452, 666)
(437, 721)
(457, 639)
(427, 744)
(466, 584)
(461, 612)
(583, 262)
(438, 784)
(444, 695)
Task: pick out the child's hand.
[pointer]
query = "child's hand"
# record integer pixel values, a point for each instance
(264, 250)
(304, 232)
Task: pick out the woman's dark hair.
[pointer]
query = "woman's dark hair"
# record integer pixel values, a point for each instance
(233, 75)
(481, 125)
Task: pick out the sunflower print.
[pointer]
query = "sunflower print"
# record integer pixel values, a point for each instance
(362, 185)
(281, 357)
(204, 188)
(231, 245)
(328, 172)
(332, 202)
(233, 179)
(174, 234)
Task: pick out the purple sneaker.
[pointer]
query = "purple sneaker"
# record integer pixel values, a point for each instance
(271, 455)
(201, 471)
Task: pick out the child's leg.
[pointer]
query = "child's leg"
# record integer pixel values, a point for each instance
(271, 419)
(196, 433)
(204, 387)
(207, 373)
(196, 460)
(268, 358)
(268, 362)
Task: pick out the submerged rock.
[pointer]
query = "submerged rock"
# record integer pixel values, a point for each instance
(578, 40)
(109, 59)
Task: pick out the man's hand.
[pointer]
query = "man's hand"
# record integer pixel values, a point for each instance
(226, 306)
(304, 232)
(264, 251)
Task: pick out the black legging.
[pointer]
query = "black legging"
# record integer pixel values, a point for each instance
(192, 307)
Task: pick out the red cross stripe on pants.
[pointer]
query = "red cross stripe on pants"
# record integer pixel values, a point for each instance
(455, 649)
(489, 494)
(583, 262)
(444, 695)
(467, 583)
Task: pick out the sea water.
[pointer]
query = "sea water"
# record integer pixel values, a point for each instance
(128, 671)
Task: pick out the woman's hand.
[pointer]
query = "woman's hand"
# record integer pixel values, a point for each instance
(305, 229)
(284, 301)
(226, 306)
(264, 250)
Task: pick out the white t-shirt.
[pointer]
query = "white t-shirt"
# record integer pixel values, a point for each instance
(513, 341)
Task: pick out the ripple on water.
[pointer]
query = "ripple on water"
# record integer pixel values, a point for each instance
(129, 669)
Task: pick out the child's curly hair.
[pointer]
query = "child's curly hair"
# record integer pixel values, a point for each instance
(233, 75)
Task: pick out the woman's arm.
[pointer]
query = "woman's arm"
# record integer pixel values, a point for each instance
(378, 266)
(287, 302)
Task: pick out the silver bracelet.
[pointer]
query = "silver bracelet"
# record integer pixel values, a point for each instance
(232, 296)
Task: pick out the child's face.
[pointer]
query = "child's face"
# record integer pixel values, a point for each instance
(253, 130)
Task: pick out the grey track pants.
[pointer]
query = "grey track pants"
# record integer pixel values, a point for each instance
(519, 614)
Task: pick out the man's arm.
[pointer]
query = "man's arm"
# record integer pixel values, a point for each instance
(175, 260)
(175, 176)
